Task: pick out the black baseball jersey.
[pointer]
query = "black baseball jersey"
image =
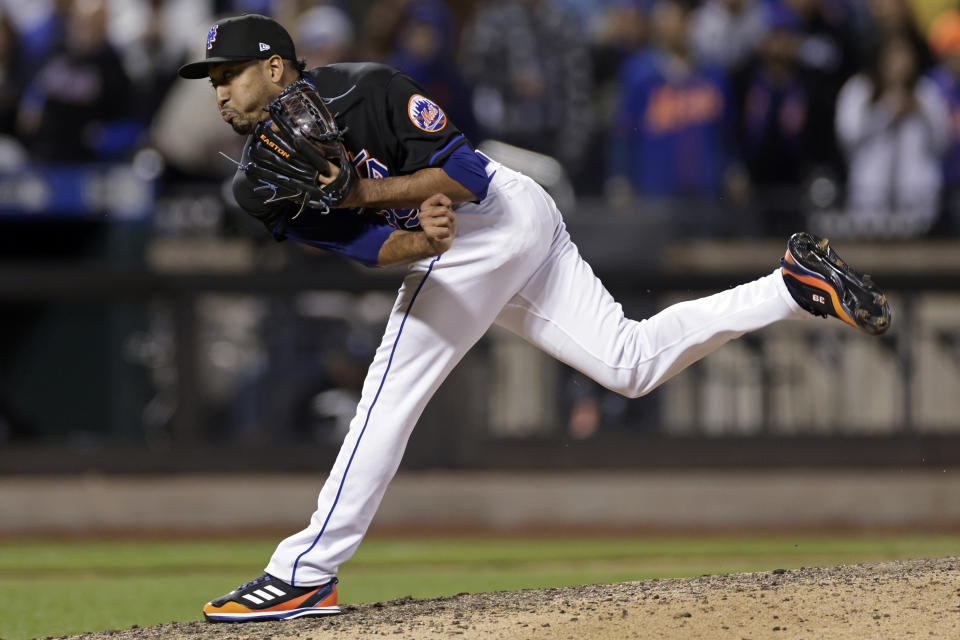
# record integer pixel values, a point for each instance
(391, 128)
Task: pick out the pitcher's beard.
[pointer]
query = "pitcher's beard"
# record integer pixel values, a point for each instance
(244, 124)
(243, 128)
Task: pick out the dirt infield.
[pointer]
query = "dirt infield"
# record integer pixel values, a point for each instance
(906, 599)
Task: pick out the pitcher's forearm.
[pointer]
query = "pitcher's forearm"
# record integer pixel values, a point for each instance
(406, 246)
(406, 191)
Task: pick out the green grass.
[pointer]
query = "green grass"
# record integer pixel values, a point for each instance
(54, 588)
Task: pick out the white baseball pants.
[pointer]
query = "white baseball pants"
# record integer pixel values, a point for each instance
(512, 263)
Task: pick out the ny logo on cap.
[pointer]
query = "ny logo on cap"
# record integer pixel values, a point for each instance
(212, 36)
(264, 46)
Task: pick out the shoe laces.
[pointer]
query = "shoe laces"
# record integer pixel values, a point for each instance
(264, 578)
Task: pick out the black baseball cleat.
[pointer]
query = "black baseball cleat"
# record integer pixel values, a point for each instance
(823, 284)
(269, 598)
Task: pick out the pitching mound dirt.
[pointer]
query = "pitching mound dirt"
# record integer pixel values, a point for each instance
(907, 599)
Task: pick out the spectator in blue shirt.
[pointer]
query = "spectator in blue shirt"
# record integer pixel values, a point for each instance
(828, 54)
(774, 108)
(772, 95)
(672, 130)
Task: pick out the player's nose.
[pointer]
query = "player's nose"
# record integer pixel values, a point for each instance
(223, 94)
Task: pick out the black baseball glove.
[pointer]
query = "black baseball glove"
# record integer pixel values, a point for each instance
(295, 146)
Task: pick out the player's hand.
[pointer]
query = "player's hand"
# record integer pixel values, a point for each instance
(325, 178)
(354, 197)
(438, 221)
(900, 100)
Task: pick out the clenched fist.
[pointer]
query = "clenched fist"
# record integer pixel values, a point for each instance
(438, 221)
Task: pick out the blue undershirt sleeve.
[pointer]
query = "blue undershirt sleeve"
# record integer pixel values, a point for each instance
(361, 243)
(467, 168)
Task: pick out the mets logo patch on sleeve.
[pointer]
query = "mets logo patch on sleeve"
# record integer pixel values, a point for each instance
(425, 114)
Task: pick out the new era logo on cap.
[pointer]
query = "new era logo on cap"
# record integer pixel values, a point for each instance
(264, 46)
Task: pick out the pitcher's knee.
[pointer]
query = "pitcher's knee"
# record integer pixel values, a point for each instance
(634, 392)
(631, 386)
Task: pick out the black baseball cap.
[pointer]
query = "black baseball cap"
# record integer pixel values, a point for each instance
(247, 37)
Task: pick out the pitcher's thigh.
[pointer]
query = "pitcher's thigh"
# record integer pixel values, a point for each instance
(566, 311)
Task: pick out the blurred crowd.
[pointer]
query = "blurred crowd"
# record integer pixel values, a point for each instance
(843, 110)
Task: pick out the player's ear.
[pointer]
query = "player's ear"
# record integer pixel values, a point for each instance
(275, 68)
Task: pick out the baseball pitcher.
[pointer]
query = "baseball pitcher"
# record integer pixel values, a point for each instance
(358, 159)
